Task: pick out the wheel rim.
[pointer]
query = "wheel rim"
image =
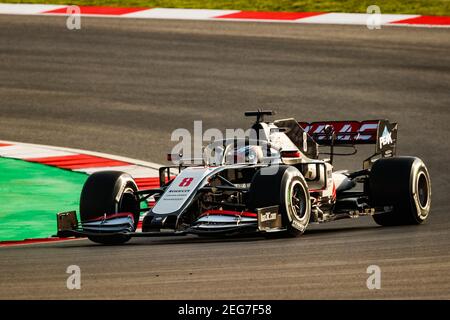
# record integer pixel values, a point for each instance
(298, 201)
(422, 190)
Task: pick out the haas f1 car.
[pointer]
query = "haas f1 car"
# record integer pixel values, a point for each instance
(274, 181)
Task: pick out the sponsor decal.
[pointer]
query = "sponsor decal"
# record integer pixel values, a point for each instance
(181, 189)
(345, 131)
(186, 182)
(386, 138)
(268, 216)
(298, 225)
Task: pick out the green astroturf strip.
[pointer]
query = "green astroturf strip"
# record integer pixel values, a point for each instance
(30, 196)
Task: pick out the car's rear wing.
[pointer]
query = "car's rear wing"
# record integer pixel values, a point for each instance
(382, 133)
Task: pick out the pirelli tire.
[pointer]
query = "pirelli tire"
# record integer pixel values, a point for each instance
(287, 188)
(109, 192)
(404, 183)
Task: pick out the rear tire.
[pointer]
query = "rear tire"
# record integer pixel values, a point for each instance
(404, 183)
(286, 188)
(109, 192)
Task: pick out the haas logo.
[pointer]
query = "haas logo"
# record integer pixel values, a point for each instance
(186, 182)
(386, 138)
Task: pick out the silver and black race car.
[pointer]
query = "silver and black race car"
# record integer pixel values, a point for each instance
(274, 181)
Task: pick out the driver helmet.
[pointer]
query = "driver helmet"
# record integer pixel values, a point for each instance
(247, 154)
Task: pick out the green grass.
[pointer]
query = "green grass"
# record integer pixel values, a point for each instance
(425, 7)
(30, 196)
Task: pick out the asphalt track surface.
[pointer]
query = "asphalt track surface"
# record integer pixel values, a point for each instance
(122, 86)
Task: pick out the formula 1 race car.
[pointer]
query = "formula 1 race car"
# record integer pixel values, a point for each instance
(271, 182)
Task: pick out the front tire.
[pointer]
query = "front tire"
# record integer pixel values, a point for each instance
(404, 183)
(109, 192)
(286, 188)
